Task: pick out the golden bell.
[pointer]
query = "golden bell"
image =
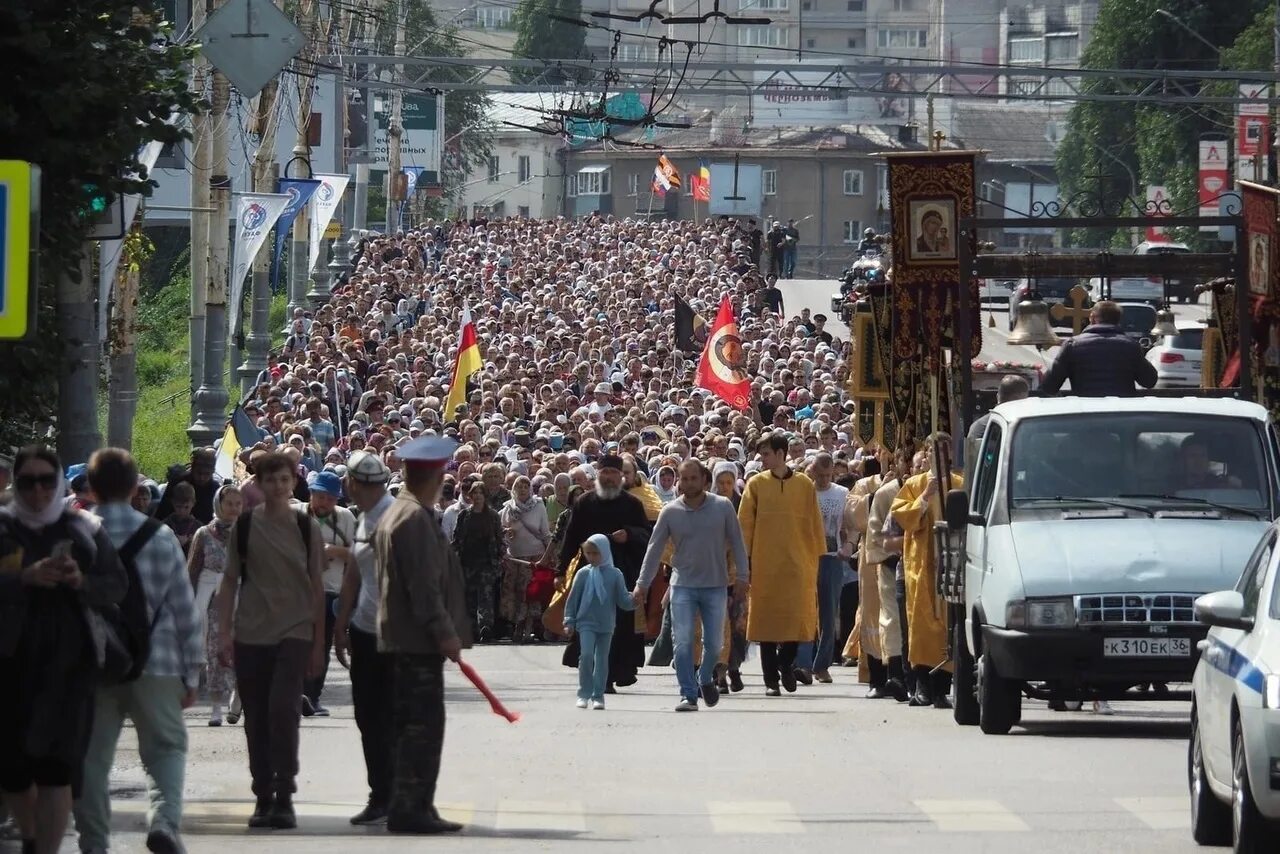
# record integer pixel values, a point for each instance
(1033, 326)
(1164, 323)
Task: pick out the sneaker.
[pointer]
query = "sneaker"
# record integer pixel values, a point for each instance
(735, 681)
(710, 694)
(307, 709)
(804, 677)
(582, 703)
(686, 705)
(282, 816)
(823, 676)
(371, 814)
(1102, 707)
(772, 692)
(597, 705)
(261, 813)
(162, 840)
(320, 711)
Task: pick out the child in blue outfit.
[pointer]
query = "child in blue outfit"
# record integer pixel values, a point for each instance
(598, 591)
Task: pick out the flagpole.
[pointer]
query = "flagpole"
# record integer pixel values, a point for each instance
(649, 214)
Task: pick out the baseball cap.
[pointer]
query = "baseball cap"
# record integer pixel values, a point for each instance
(367, 468)
(326, 482)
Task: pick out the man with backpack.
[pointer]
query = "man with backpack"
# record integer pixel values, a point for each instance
(273, 591)
(163, 638)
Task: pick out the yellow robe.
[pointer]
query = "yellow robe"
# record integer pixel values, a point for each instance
(864, 637)
(926, 613)
(782, 527)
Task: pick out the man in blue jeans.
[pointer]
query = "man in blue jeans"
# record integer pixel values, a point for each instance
(813, 661)
(704, 528)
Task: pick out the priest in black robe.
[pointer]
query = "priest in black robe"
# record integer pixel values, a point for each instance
(609, 510)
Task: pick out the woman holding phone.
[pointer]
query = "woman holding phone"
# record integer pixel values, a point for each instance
(56, 563)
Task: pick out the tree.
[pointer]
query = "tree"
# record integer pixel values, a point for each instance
(540, 36)
(465, 113)
(1113, 149)
(88, 85)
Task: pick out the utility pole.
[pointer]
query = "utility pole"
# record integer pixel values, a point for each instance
(211, 397)
(201, 168)
(78, 435)
(122, 383)
(395, 130)
(265, 172)
(298, 254)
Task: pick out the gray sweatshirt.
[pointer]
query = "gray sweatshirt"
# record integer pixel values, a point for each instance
(703, 538)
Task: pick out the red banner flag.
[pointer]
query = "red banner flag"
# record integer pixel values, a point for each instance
(723, 367)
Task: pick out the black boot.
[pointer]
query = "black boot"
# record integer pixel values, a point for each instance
(924, 687)
(261, 813)
(942, 690)
(879, 677)
(282, 815)
(895, 685)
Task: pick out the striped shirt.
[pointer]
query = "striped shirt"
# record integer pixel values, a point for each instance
(177, 648)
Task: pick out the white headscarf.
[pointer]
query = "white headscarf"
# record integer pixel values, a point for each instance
(38, 520)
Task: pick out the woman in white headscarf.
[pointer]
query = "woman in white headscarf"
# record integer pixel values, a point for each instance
(524, 518)
(57, 566)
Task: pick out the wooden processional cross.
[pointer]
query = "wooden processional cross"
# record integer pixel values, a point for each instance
(1076, 307)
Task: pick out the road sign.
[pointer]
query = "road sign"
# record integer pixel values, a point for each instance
(420, 144)
(19, 239)
(249, 41)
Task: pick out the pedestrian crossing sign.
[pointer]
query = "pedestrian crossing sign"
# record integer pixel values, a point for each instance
(19, 237)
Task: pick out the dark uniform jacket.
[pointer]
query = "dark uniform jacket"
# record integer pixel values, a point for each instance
(422, 600)
(1100, 362)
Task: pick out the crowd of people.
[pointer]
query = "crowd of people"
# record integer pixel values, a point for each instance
(585, 490)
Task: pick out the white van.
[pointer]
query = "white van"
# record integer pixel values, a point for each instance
(1073, 558)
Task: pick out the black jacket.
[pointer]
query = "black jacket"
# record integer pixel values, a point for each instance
(1100, 362)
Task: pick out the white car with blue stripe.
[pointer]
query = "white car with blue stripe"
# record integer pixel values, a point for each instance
(1234, 758)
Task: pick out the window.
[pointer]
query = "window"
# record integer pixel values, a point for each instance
(634, 53)
(902, 5)
(810, 42)
(988, 461)
(633, 185)
(769, 178)
(854, 42)
(1255, 573)
(1061, 87)
(1026, 51)
(806, 5)
(762, 37)
(852, 230)
(853, 182)
(493, 17)
(856, 5)
(765, 5)
(593, 181)
(493, 169)
(523, 211)
(524, 169)
(1062, 48)
(902, 38)
(1023, 85)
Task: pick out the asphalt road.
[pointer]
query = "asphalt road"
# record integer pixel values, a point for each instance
(822, 770)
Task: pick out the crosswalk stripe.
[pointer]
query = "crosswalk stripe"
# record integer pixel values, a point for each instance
(211, 812)
(1159, 813)
(968, 815)
(754, 817)
(563, 816)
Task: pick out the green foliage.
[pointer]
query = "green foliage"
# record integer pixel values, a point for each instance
(1115, 149)
(539, 36)
(86, 86)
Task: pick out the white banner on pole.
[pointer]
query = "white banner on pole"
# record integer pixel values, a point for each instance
(109, 251)
(256, 213)
(324, 201)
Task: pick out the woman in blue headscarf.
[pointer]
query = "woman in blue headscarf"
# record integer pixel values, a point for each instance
(599, 589)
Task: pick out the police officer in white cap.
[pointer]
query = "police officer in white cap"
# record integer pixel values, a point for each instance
(421, 622)
(356, 633)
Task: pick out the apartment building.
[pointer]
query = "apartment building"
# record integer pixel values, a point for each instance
(1045, 34)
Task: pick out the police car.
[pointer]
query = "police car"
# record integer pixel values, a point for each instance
(1233, 762)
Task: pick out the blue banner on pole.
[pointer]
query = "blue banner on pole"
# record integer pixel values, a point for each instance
(299, 191)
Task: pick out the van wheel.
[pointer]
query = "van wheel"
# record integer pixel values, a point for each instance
(965, 709)
(999, 699)
(1210, 818)
(1250, 832)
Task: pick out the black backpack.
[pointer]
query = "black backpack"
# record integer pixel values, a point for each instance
(128, 630)
(242, 538)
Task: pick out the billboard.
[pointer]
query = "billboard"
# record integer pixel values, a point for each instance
(737, 193)
(1252, 130)
(788, 95)
(420, 144)
(1213, 177)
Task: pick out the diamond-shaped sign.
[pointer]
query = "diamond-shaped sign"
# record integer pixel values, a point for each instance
(249, 41)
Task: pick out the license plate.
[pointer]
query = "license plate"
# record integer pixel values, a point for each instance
(1146, 647)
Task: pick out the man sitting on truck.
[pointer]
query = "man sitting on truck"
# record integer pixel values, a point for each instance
(1195, 472)
(1101, 361)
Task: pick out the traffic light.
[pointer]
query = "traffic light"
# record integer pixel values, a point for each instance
(104, 214)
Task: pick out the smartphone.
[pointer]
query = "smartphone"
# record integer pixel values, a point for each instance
(62, 549)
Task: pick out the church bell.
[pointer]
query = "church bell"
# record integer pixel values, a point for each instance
(1164, 323)
(1033, 326)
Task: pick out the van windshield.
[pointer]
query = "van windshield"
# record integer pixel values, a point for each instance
(1153, 459)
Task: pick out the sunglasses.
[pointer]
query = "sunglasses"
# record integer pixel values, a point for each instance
(28, 482)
